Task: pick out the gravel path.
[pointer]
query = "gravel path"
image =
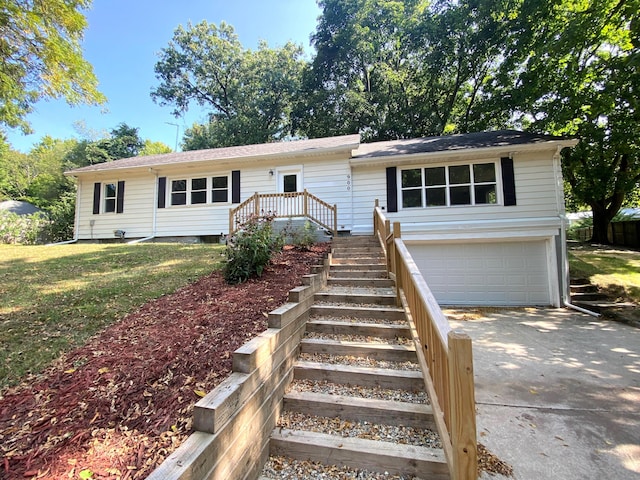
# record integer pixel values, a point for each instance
(358, 361)
(402, 435)
(359, 392)
(360, 339)
(377, 321)
(278, 468)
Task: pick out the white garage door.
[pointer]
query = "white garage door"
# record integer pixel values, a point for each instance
(505, 273)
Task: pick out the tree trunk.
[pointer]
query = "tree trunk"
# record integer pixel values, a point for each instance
(601, 221)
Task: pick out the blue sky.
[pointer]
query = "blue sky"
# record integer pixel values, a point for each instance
(122, 42)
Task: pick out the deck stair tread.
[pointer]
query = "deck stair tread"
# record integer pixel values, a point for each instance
(361, 453)
(355, 408)
(372, 351)
(371, 328)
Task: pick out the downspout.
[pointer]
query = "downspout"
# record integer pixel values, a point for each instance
(565, 277)
(76, 220)
(154, 211)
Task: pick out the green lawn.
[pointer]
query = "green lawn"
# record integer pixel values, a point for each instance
(54, 298)
(613, 269)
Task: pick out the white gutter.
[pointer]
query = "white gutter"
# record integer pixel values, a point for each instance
(566, 288)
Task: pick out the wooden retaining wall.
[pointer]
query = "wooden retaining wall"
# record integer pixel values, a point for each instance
(234, 421)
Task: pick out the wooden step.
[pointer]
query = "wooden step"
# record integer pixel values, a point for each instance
(336, 327)
(381, 312)
(357, 253)
(357, 409)
(356, 298)
(360, 453)
(375, 264)
(410, 380)
(357, 249)
(356, 240)
(360, 282)
(357, 273)
(377, 351)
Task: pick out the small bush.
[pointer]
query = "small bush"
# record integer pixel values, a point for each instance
(62, 214)
(250, 249)
(302, 238)
(23, 229)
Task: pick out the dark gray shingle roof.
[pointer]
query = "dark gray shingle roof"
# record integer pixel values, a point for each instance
(227, 153)
(445, 143)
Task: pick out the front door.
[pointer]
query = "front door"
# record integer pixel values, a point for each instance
(289, 181)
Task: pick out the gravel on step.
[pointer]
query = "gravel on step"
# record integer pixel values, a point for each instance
(278, 468)
(402, 435)
(348, 319)
(346, 289)
(358, 391)
(346, 304)
(359, 339)
(358, 361)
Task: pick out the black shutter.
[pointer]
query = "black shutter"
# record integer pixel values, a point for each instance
(508, 181)
(120, 197)
(162, 191)
(392, 190)
(235, 186)
(96, 197)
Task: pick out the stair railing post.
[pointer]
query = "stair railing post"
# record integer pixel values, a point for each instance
(396, 262)
(256, 204)
(462, 425)
(387, 234)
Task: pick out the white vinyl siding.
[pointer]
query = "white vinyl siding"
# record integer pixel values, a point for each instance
(136, 219)
(535, 192)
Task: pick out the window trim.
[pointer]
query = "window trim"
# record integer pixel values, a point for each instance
(100, 197)
(189, 190)
(448, 185)
(105, 198)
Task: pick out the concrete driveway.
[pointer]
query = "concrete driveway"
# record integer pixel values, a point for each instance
(557, 392)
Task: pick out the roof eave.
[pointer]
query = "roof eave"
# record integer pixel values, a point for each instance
(461, 154)
(345, 148)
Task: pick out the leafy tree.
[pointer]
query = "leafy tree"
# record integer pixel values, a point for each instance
(154, 148)
(573, 68)
(36, 177)
(41, 57)
(400, 69)
(250, 93)
(123, 141)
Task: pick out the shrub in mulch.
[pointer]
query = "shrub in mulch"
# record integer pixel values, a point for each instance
(118, 406)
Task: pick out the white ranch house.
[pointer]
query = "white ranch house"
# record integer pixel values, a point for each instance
(482, 213)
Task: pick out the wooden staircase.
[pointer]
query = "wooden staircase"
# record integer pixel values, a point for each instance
(357, 400)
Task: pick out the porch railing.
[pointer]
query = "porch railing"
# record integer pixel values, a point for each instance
(285, 205)
(445, 355)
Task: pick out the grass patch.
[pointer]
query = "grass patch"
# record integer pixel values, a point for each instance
(54, 298)
(612, 269)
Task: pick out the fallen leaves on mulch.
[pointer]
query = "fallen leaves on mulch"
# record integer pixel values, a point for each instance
(118, 406)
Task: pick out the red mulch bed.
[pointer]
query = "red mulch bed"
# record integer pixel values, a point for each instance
(121, 404)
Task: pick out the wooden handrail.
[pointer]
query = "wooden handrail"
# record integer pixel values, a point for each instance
(445, 355)
(285, 205)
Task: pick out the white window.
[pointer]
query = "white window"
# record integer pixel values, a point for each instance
(199, 190)
(445, 186)
(110, 196)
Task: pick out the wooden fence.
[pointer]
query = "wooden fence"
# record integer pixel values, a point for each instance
(624, 234)
(285, 205)
(445, 355)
